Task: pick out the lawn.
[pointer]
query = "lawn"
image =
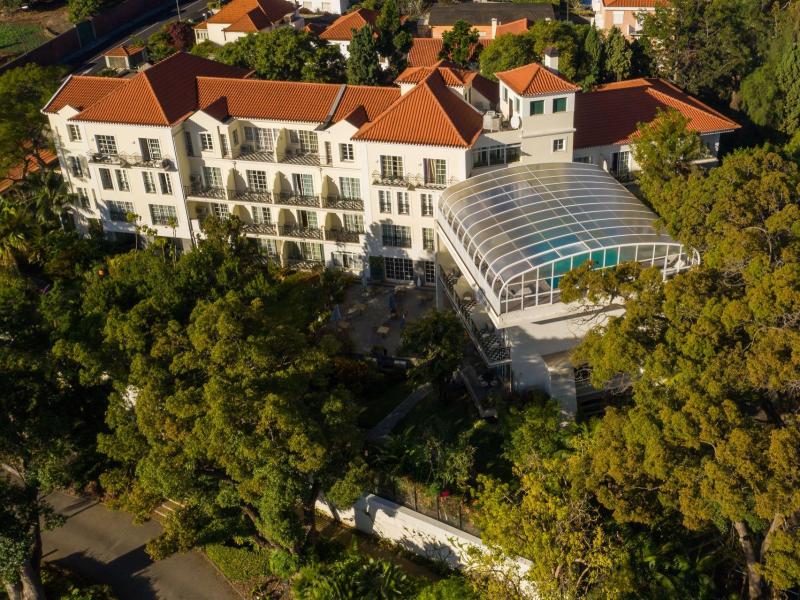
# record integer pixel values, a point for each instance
(17, 38)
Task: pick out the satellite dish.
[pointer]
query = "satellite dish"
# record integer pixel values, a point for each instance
(516, 121)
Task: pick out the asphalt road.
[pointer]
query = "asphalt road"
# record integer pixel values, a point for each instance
(106, 547)
(191, 10)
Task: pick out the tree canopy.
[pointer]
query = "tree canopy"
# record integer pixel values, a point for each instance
(363, 67)
(459, 43)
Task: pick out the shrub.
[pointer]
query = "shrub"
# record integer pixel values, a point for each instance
(283, 564)
(452, 588)
(240, 564)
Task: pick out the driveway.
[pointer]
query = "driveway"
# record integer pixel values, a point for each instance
(106, 547)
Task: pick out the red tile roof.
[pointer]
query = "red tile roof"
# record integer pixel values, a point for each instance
(453, 76)
(31, 165)
(424, 52)
(373, 100)
(240, 14)
(162, 95)
(342, 28)
(124, 50)
(80, 91)
(634, 3)
(518, 26)
(534, 79)
(611, 113)
(430, 114)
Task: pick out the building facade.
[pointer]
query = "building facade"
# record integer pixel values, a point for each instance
(239, 18)
(625, 15)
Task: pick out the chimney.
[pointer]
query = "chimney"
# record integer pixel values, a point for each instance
(494, 27)
(551, 58)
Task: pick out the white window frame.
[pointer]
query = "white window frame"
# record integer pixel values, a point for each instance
(160, 214)
(106, 144)
(149, 182)
(385, 202)
(165, 183)
(346, 153)
(403, 204)
(559, 145)
(206, 142)
(426, 205)
(73, 133)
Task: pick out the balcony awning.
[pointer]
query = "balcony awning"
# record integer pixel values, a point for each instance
(519, 229)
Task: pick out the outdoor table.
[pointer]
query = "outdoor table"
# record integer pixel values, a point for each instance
(383, 330)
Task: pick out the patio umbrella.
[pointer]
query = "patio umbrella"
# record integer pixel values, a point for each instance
(336, 314)
(419, 281)
(392, 302)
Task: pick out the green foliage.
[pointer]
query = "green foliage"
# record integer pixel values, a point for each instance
(81, 10)
(459, 43)
(283, 564)
(362, 64)
(618, 56)
(437, 340)
(351, 486)
(394, 37)
(23, 128)
(452, 588)
(240, 563)
(206, 49)
(285, 54)
(593, 52)
(507, 52)
(62, 585)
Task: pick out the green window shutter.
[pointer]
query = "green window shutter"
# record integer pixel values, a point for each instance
(537, 107)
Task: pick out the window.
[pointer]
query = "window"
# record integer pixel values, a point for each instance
(537, 107)
(494, 155)
(308, 142)
(189, 146)
(106, 144)
(505, 93)
(212, 176)
(620, 163)
(151, 149)
(618, 17)
(162, 214)
(403, 207)
(293, 137)
(256, 180)
(310, 251)
(83, 198)
(202, 34)
(328, 153)
(426, 204)
(346, 152)
(427, 238)
(260, 139)
(392, 167)
(220, 211)
(430, 271)
(73, 133)
(149, 183)
(206, 141)
(346, 260)
(307, 218)
(261, 215)
(558, 145)
(119, 211)
(559, 105)
(75, 166)
(587, 160)
(398, 268)
(350, 187)
(303, 184)
(105, 179)
(268, 247)
(435, 171)
(223, 142)
(516, 105)
(384, 201)
(354, 223)
(122, 181)
(235, 137)
(165, 183)
(396, 235)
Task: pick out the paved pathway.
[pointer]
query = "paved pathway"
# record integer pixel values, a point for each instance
(105, 546)
(390, 421)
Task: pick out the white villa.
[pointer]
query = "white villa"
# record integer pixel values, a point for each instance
(392, 180)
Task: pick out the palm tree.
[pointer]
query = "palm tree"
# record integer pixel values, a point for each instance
(14, 227)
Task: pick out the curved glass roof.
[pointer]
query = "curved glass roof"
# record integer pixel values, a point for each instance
(518, 229)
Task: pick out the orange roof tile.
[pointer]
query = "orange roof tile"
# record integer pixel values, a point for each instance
(430, 114)
(272, 10)
(611, 113)
(342, 28)
(201, 25)
(31, 165)
(372, 99)
(124, 50)
(453, 75)
(80, 91)
(534, 79)
(516, 27)
(634, 3)
(162, 95)
(424, 52)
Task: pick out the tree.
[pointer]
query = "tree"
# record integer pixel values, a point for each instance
(206, 49)
(664, 149)
(81, 10)
(437, 339)
(706, 48)
(181, 35)
(507, 52)
(394, 39)
(711, 436)
(618, 56)
(362, 64)
(23, 128)
(284, 54)
(593, 51)
(459, 43)
(568, 39)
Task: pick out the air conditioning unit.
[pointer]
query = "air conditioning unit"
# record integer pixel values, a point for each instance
(491, 120)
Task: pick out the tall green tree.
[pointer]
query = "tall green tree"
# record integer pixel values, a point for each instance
(506, 52)
(363, 67)
(394, 38)
(459, 44)
(712, 434)
(593, 56)
(23, 128)
(618, 56)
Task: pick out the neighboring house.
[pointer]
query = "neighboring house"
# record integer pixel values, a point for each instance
(20, 171)
(491, 19)
(623, 14)
(337, 7)
(476, 89)
(604, 130)
(340, 32)
(240, 17)
(424, 52)
(126, 58)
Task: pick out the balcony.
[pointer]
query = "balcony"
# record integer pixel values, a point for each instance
(256, 155)
(206, 192)
(298, 231)
(307, 159)
(250, 195)
(260, 228)
(342, 203)
(131, 161)
(411, 181)
(342, 236)
(292, 199)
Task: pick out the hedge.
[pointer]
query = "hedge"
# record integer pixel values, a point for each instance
(240, 564)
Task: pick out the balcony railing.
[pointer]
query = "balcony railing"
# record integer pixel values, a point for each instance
(255, 154)
(293, 199)
(308, 159)
(411, 181)
(298, 231)
(342, 235)
(342, 203)
(206, 192)
(132, 161)
(260, 228)
(251, 195)
(489, 343)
